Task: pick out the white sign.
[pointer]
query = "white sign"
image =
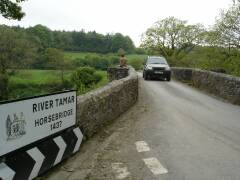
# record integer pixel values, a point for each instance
(27, 121)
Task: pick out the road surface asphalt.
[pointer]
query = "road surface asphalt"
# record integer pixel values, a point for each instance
(174, 132)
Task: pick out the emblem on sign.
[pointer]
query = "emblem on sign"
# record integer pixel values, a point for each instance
(15, 127)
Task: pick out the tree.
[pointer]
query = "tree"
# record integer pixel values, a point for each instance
(236, 1)
(4, 86)
(171, 36)
(11, 10)
(76, 40)
(8, 44)
(44, 35)
(62, 40)
(227, 28)
(119, 41)
(56, 60)
(16, 51)
(191, 35)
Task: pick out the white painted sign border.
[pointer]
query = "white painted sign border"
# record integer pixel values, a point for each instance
(28, 120)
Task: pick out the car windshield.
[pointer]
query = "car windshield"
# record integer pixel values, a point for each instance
(156, 61)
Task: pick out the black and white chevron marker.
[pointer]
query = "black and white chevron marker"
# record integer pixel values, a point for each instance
(28, 164)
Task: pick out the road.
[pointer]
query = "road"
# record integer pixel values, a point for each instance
(174, 132)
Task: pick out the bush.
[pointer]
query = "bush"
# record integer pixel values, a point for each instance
(136, 63)
(99, 62)
(85, 77)
(140, 51)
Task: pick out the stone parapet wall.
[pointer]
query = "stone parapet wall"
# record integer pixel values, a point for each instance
(115, 73)
(218, 84)
(102, 106)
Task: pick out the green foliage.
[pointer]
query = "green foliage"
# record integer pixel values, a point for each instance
(137, 64)
(26, 83)
(43, 35)
(97, 61)
(121, 52)
(141, 57)
(211, 58)
(11, 9)
(80, 41)
(227, 28)
(136, 61)
(94, 42)
(104, 80)
(171, 36)
(192, 46)
(101, 62)
(221, 45)
(140, 51)
(78, 55)
(55, 58)
(28, 47)
(40, 48)
(85, 77)
(16, 50)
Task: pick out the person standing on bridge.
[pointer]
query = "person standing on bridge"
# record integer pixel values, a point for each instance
(123, 61)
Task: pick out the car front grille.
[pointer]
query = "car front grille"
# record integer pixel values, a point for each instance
(158, 68)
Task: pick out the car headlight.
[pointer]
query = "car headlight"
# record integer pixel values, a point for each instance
(167, 68)
(149, 67)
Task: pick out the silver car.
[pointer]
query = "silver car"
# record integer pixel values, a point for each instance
(156, 67)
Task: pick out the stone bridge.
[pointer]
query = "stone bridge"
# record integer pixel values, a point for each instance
(147, 130)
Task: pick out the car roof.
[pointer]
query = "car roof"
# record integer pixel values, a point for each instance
(149, 57)
(155, 57)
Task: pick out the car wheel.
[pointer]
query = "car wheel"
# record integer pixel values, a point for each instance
(145, 76)
(168, 78)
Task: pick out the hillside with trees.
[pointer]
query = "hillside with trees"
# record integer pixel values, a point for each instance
(78, 40)
(38, 47)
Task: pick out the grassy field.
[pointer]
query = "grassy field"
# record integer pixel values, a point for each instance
(26, 83)
(136, 56)
(38, 77)
(75, 55)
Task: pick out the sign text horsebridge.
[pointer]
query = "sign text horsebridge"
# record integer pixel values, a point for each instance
(27, 121)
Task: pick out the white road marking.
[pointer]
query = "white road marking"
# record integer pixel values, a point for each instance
(6, 173)
(120, 170)
(142, 146)
(155, 166)
(38, 157)
(79, 135)
(62, 146)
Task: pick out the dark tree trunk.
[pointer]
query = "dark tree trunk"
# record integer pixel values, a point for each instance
(3, 87)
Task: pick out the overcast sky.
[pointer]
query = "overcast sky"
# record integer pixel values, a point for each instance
(129, 17)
